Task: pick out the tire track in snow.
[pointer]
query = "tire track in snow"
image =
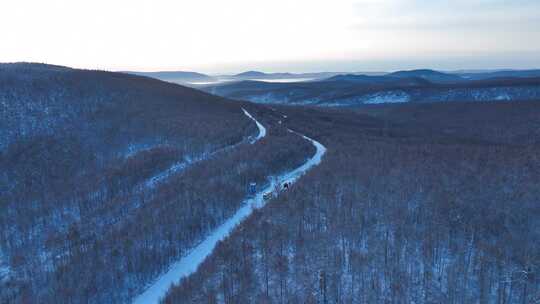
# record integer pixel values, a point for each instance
(188, 264)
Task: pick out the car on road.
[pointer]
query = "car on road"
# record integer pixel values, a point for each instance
(267, 195)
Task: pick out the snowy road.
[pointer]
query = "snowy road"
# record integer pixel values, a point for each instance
(189, 263)
(262, 129)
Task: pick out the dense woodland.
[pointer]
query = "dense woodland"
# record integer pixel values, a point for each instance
(108, 178)
(91, 208)
(159, 226)
(412, 204)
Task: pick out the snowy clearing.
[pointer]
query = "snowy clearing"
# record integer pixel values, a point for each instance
(189, 263)
(387, 97)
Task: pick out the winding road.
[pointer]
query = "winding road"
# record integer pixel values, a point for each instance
(262, 129)
(189, 263)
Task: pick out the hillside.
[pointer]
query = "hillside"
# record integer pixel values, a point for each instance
(250, 74)
(354, 90)
(101, 178)
(500, 74)
(429, 75)
(255, 75)
(112, 181)
(379, 80)
(414, 203)
(177, 76)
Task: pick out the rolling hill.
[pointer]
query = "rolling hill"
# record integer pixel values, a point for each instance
(111, 182)
(499, 74)
(352, 90)
(414, 203)
(177, 76)
(100, 169)
(429, 75)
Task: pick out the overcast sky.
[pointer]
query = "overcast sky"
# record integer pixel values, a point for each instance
(272, 35)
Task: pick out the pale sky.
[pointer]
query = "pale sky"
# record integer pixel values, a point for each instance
(272, 35)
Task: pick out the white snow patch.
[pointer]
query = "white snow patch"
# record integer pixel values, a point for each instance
(4, 268)
(177, 167)
(386, 97)
(189, 263)
(267, 98)
(133, 149)
(503, 96)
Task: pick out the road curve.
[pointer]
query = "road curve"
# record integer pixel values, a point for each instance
(262, 129)
(189, 263)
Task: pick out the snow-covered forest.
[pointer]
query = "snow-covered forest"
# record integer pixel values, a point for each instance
(109, 179)
(411, 205)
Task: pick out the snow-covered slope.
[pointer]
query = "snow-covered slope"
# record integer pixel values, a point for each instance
(81, 152)
(189, 263)
(4, 267)
(179, 166)
(357, 89)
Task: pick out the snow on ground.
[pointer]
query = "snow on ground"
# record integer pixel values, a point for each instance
(267, 98)
(134, 149)
(484, 94)
(386, 97)
(189, 263)
(175, 168)
(179, 166)
(503, 96)
(4, 267)
(262, 129)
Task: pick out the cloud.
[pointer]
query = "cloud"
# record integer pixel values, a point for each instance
(447, 15)
(421, 26)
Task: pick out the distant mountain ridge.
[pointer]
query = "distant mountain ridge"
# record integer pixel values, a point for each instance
(194, 78)
(379, 80)
(405, 78)
(257, 75)
(420, 86)
(501, 74)
(431, 75)
(251, 74)
(176, 76)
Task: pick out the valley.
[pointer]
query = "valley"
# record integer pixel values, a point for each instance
(355, 90)
(116, 190)
(410, 204)
(270, 152)
(189, 263)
